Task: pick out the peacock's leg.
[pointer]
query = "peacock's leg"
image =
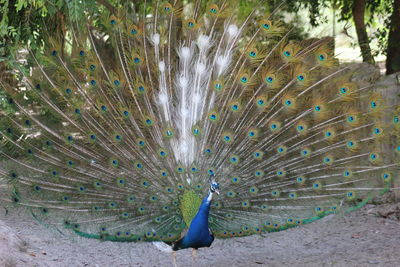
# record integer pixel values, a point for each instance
(194, 257)
(174, 259)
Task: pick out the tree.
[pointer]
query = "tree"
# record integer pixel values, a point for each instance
(358, 12)
(393, 49)
(25, 24)
(364, 14)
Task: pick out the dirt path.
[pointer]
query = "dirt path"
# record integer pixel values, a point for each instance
(358, 239)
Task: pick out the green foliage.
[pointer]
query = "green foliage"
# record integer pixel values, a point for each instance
(24, 22)
(20, 23)
(381, 34)
(314, 7)
(245, 7)
(376, 12)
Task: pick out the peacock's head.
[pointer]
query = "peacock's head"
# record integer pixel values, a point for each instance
(214, 186)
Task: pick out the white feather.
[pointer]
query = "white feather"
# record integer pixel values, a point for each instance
(184, 112)
(183, 147)
(163, 98)
(203, 42)
(200, 68)
(232, 30)
(155, 38)
(161, 66)
(185, 52)
(222, 63)
(183, 82)
(196, 98)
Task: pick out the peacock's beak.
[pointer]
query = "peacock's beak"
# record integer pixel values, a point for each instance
(217, 191)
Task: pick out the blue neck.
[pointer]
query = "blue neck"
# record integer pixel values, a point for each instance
(198, 234)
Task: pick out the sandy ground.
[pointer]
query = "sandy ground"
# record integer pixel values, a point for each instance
(362, 238)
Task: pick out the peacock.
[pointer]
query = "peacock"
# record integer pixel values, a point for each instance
(183, 123)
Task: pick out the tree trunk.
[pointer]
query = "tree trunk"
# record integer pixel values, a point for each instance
(363, 40)
(393, 49)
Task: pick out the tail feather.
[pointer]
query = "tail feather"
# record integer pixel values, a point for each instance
(108, 145)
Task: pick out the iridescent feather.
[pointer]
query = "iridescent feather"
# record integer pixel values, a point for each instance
(120, 146)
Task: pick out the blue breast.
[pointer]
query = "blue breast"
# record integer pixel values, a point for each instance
(198, 234)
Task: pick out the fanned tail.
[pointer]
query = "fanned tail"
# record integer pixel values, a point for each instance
(119, 146)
